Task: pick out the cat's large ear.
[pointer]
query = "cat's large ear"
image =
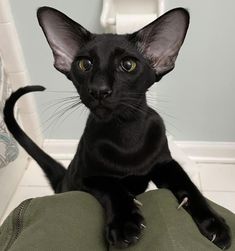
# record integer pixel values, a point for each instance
(64, 36)
(161, 40)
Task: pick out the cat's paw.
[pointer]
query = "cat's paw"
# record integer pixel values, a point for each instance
(216, 230)
(125, 231)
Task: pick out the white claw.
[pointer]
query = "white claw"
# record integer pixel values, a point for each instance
(213, 237)
(137, 202)
(184, 201)
(143, 226)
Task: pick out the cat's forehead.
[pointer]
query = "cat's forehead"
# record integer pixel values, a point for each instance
(106, 44)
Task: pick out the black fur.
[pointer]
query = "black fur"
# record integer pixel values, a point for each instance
(123, 146)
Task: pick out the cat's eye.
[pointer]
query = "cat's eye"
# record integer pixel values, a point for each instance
(84, 64)
(128, 64)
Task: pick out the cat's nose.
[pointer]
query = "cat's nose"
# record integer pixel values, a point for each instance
(100, 92)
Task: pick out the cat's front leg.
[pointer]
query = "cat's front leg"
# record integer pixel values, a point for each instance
(124, 221)
(171, 176)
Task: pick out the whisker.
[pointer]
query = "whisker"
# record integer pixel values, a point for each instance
(157, 100)
(58, 100)
(149, 98)
(137, 108)
(58, 114)
(48, 105)
(67, 105)
(132, 106)
(73, 109)
(148, 93)
(160, 110)
(59, 104)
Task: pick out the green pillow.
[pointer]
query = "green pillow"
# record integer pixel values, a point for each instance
(75, 221)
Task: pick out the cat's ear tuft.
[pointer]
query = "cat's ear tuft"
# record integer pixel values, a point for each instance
(64, 36)
(161, 40)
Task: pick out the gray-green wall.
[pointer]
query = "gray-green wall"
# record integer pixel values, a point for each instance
(196, 99)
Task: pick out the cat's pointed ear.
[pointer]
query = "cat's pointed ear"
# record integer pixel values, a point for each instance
(64, 36)
(161, 40)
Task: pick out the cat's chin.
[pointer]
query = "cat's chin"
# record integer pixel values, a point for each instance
(102, 113)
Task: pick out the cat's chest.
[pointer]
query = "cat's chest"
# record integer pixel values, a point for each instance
(130, 142)
(131, 150)
(123, 137)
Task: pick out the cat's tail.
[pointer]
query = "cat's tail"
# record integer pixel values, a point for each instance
(53, 170)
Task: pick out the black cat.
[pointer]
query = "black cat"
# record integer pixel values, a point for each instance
(124, 145)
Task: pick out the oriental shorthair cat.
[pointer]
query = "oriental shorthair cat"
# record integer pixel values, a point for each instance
(123, 145)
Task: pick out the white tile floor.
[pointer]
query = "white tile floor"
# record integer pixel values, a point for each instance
(217, 182)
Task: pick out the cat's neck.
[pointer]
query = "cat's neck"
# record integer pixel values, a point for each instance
(126, 114)
(120, 128)
(122, 134)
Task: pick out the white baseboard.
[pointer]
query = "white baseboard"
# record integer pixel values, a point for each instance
(200, 152)
(209, 152)
(63, 149)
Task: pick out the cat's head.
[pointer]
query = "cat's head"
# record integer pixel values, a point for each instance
(113, 72)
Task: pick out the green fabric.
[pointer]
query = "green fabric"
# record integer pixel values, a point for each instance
(75, 221)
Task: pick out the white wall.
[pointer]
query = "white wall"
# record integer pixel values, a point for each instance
(196, 99)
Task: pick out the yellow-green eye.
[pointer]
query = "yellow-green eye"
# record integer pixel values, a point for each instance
(128, 65)
(84, 64)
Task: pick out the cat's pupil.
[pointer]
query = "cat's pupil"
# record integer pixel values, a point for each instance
(128, 65)
(85, 64)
